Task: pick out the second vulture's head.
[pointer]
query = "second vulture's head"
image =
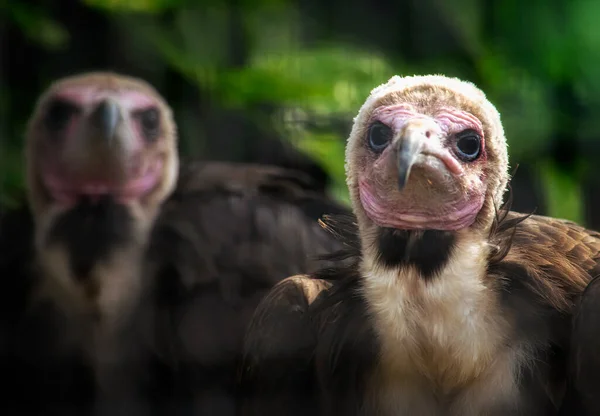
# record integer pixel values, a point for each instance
(101, 159)
(101, 135)
(426, 153)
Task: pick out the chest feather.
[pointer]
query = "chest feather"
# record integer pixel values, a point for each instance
(442, 339)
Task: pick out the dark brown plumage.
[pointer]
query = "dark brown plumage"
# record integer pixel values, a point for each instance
(458, 320)
(194, 257)
(225, 237)
(581, 397)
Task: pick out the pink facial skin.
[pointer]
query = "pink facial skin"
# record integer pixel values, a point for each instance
(442, 193)
(455, 215)
(67, 192)
(143, 175)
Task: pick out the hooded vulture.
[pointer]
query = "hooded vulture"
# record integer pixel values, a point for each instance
(128, 280)
(451, 304)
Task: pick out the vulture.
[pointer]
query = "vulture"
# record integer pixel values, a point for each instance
(448, 303)
(128, 280)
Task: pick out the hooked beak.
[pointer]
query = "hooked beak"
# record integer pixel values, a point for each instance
(409, 144)
(419, 137)
(106, 118)
(408, 148)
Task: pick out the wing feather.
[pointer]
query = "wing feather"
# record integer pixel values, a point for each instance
(276, 374)
(559, 256)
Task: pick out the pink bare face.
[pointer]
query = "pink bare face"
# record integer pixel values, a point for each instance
(422, 169)
(97, 140)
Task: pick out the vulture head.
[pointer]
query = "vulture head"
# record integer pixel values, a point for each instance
(101, 159)
(426, 153)
(101, 135)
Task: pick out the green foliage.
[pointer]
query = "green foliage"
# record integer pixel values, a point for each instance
(563, 193)
(325, 79)
(36, 25)
(328, 150)
(143, 6)
(333, 78)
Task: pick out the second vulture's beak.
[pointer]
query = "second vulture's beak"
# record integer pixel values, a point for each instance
(106, 118)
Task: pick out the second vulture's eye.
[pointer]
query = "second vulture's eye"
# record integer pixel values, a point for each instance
(58, 114)
(468, 145)
(380, 136)
(150, 122)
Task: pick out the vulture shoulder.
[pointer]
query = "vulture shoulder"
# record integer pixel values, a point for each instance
(543, 266)
(553, 258)
(583, 375)
(286, 347)
(276, 374)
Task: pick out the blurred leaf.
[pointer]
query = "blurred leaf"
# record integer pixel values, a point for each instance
(536, 35)
(38, 27)
(253, 85)
(329, 151)
(160, 6)
(467, 24)
(203, 33)
(325, 78)
(334, 78)
(254, 4)
(139, 6)
(12, 176)
(195, 44)
(273, 27)
(563, 193)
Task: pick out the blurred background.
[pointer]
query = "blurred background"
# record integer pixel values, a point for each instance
(246, 78)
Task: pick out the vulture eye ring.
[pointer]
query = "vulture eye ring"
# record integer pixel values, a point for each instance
(58, 114)
(150, 122)
(380, 136)
(468, 145)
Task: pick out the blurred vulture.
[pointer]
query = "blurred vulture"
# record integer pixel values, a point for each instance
(128, 281)
(452, 306)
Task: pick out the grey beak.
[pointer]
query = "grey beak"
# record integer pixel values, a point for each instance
(106, 118)
(408, 148)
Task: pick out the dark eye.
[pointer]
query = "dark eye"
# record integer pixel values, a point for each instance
(468, 145)
(380, 136)
(150, 122)
(58, 114)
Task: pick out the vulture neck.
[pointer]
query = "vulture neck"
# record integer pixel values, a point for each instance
(90, 257)
(426, 251)
(430, 302)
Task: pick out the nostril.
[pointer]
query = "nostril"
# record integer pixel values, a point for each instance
(428, 134)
